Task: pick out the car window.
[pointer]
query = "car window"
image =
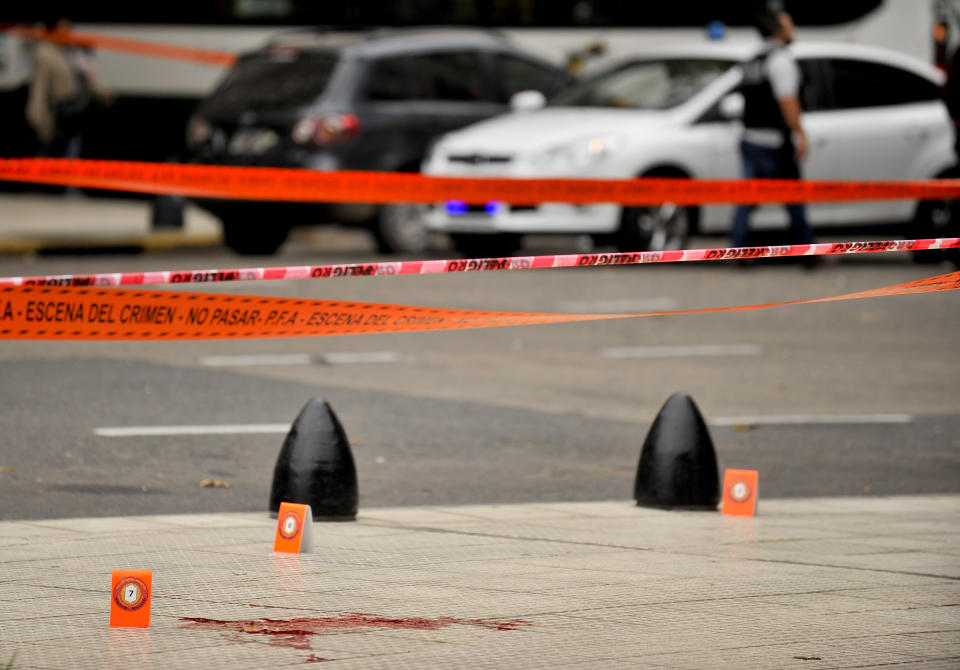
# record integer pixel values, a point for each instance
(518, 74)
(858, 84)
(456, 76)
(276, 78)
(453, 76)
(814, 91)
(654, 84)
(387, 80)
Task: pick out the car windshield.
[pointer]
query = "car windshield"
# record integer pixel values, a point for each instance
(651, 84)
(278, 78)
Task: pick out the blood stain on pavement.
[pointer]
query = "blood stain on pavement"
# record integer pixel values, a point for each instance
(296, 633)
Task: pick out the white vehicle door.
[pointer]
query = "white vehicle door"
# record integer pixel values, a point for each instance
(720, 140)
(821, 163)
(824, 159)
(878, 125)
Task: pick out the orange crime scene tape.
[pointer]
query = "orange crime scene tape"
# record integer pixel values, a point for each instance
(126, 45)
(74, 313)
(291, 184)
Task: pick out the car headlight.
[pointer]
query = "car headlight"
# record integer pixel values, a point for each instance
(582, 152)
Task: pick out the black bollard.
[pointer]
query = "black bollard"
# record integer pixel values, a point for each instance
(315, 466)
(678, 464)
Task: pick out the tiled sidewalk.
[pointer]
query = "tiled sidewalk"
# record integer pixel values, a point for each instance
(821, 583)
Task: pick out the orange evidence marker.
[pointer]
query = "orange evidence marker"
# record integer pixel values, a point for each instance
(130, 598)
(740, 490)
(294, 529)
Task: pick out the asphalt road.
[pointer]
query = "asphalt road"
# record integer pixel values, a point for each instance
(540, 413)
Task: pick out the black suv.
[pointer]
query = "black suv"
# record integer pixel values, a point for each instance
(372, 101)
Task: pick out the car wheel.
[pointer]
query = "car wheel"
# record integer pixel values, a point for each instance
(251, 238)
(479, 245)
(660, 228)
(936, 218)
(400, 228)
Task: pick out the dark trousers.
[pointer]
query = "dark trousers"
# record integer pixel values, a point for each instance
(62, 147)
(765, 163)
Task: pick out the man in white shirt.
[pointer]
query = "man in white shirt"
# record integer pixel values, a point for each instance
(774, 141)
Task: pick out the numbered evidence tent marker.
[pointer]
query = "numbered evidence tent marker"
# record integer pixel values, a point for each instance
(130, 598)
(294, 529)
(740, 490)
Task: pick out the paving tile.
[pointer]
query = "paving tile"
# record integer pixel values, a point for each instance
(937, 643)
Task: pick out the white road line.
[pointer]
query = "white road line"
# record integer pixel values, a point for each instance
(683, 351)
(333, 358)
(720, 422)
(348, 357)
(165, 431)
(257, 359)
(809, 419)
(618, 305)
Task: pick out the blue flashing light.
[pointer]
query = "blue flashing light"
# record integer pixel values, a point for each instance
(492, 208)
(716, 30)
(456, 207)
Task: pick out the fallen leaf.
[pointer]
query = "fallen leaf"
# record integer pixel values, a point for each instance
(213, 484)
(742, 427)
(5, 468)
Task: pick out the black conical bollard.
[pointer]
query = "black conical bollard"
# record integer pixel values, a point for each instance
(315, 466)
(678, 465)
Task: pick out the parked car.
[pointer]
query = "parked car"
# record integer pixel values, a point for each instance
(870, 114)
(372, 101)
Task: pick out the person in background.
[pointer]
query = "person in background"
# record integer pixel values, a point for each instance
(774, 142)
(62, 88)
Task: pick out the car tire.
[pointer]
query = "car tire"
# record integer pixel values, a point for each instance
(663, 227)
(400, 228)
(933, 219)
(254, 238)
(480, 245)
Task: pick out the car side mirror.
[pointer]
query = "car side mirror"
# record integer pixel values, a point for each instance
(732, 106)
(527, 101)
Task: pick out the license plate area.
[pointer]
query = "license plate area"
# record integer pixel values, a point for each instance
(252, 141)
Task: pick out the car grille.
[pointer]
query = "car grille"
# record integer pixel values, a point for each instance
(479, 159)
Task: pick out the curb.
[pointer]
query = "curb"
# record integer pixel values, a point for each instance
(158, 241)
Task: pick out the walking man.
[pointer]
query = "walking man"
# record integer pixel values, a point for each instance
(773, 142)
